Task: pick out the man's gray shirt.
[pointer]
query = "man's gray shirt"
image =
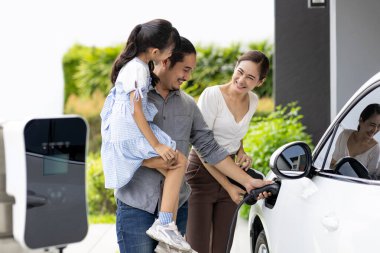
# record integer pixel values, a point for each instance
(180, 118)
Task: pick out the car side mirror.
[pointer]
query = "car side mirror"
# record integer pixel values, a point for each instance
(348, 166)
(292, 160)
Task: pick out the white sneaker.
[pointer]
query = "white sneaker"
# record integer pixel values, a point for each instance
(164, 248)
(168, 234)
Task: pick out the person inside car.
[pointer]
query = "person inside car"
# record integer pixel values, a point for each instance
(360, 144)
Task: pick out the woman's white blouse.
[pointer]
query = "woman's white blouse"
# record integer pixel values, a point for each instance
(228, 133)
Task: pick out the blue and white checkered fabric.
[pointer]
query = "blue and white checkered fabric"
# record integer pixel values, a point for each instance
(124, 147)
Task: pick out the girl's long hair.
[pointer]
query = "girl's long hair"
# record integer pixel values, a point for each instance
(158, 33)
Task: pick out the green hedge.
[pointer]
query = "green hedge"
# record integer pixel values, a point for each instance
(88, 68)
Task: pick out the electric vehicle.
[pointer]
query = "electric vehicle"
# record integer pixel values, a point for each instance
(321, 206)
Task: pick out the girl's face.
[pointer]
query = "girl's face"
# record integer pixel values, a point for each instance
(371, 126)
(160, 55)
(246, 76)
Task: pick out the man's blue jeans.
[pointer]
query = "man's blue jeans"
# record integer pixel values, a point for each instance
(132, 223)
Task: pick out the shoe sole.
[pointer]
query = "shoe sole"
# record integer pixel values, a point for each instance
(154, 236)
(160, 249)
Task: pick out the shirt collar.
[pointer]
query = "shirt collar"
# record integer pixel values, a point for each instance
(175, 92)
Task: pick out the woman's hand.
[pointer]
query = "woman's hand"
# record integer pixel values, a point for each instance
(165, 152)
(243, 160)
(236, 193)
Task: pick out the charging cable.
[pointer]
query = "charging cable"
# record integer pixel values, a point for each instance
(250, 199)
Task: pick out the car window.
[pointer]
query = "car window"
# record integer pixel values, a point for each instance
(345, 141)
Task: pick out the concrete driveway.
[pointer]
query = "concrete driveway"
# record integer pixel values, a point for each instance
(101, 238)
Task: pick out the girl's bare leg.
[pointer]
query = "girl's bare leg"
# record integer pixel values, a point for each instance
(172, 186)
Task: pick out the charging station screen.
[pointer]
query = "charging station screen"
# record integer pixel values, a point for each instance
(55, 165)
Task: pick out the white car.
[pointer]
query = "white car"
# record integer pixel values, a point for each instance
(323, 204)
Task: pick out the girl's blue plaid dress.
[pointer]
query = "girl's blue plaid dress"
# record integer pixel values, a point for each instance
(124, 147)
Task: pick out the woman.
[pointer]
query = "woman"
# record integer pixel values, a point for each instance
(360, 143)
(227, 110)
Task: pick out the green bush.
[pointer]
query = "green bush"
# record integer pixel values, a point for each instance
(94, 70)
(70, 63)
(95, 138)
(266, 134)
(87, 69)
(100, 200)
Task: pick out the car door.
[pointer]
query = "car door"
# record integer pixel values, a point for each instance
(329, 211)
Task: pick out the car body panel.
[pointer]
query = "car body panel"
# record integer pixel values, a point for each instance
(335, 221)
(323, 212)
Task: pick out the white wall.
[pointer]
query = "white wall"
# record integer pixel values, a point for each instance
(357, 46)
(36, 33)
(31, 80)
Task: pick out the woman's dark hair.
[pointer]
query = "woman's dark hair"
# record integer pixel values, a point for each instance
(157, 33)
(185, 48)
(370, 110)
(259, 58)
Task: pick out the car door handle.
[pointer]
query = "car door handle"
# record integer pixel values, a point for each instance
(330, 222)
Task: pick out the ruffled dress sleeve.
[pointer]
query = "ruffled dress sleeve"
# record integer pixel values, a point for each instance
(134, 77)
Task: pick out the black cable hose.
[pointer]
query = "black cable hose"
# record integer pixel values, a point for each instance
(233, 223)
(250, 199)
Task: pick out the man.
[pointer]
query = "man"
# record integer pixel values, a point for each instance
(179, 116)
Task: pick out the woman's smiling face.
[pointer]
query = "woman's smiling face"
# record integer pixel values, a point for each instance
(371, 126)
(246, 76)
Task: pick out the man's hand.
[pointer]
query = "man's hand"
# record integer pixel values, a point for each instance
(156, 163)
(178, 161)
(258, 183)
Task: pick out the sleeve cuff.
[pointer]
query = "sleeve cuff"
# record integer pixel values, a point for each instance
(216, 156)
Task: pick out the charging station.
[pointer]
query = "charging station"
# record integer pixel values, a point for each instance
(45, 173)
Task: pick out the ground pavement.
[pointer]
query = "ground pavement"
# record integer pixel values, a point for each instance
(101, 238)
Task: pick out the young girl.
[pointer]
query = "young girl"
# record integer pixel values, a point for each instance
(128, 134)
